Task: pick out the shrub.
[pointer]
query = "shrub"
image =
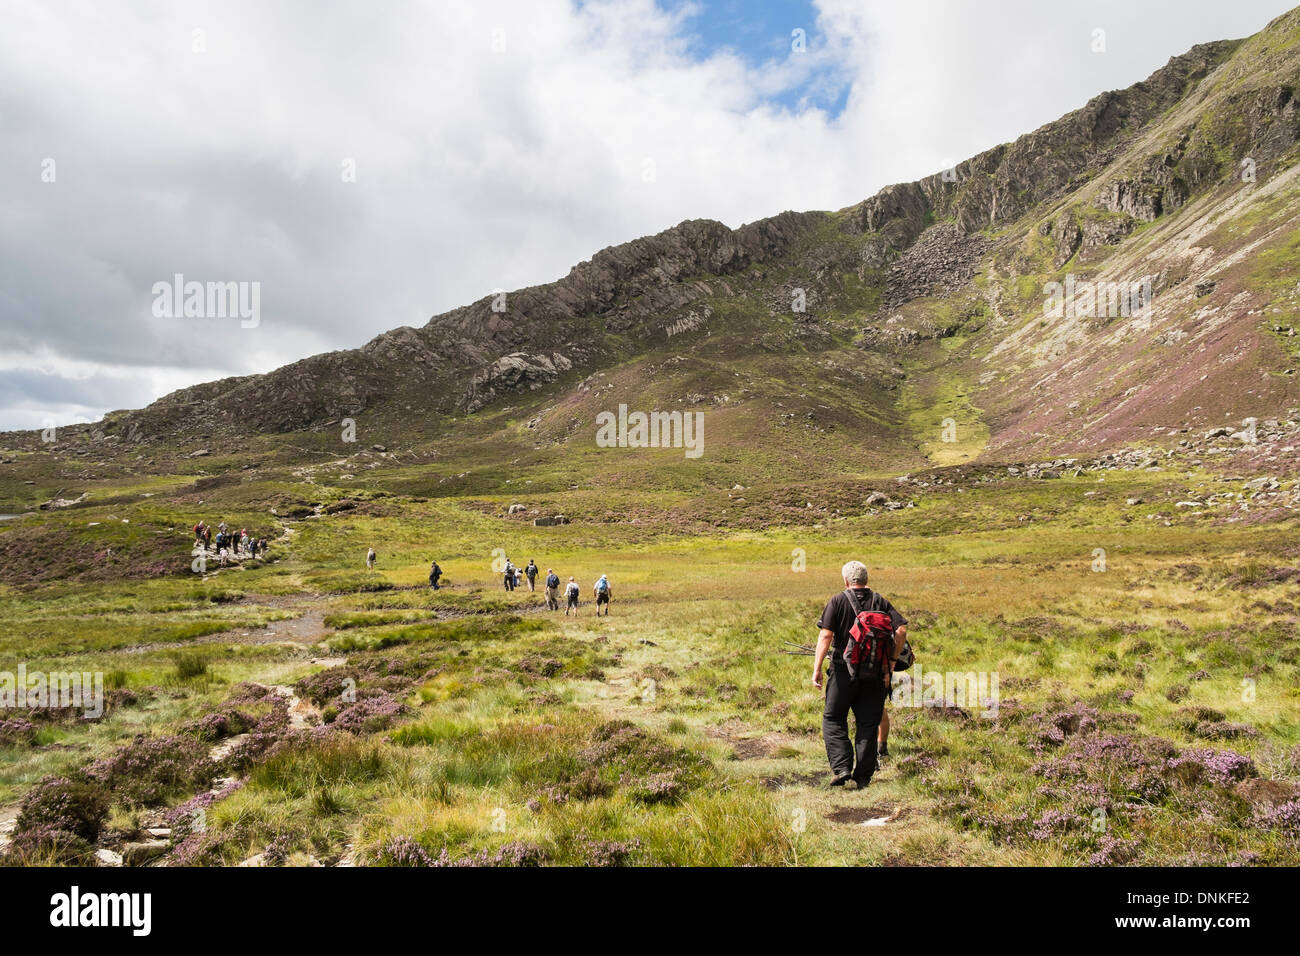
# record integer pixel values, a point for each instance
(77, 807)
(149, 770)
(401, 851)
(16, 731)
(190, 664)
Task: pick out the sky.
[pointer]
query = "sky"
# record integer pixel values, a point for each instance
(363, 166)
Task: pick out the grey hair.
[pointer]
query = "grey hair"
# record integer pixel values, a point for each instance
(855, 572)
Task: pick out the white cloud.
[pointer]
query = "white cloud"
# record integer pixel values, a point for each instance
(476, 168)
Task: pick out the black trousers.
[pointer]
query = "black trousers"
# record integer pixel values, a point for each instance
(866, 698)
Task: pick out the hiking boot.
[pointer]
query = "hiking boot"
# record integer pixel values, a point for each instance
(841, 781)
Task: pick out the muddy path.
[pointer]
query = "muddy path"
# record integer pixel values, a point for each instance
(307, 629)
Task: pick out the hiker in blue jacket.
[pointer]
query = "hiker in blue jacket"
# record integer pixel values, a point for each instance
(602, 595)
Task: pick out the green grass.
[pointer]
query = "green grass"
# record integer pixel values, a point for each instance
(498, 754)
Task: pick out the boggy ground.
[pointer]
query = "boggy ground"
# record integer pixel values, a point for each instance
(303, 711)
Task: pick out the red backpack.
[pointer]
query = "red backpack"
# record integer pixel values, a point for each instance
(870, 648)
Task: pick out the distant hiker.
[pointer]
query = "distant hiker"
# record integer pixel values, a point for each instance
(370, 559)
(552, 590)
(252, 547)
(602, 592)
(261, 547)
(510, 576)
(435, 573)
(571, 592)
(866, 632)
(530, 573)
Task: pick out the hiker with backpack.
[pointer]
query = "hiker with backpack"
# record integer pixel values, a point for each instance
(865, 635)
(435, 573)
(603, 593)
(552, 590)
(571, 592)
(530, 573)
(370, 559)
(509, 576)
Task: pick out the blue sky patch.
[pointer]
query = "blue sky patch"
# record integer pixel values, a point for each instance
(761, 33)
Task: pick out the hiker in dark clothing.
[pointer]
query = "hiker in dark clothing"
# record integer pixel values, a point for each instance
(530, 573)
(865, 696)
(552, 590)
(435, 573)
(509, 579)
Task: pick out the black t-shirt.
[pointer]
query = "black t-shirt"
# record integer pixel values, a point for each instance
(841, 611)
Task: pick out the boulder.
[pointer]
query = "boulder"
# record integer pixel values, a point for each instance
(138, 854)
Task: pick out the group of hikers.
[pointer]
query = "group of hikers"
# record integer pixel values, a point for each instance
(513, 577)
(227, 543)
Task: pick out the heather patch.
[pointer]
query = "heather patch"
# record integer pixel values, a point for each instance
(1284, 819)
(369, 715)
(365, 675)
(152, 769)
(60, 821)
(1218, 767)
(401, 851)
(15, 731)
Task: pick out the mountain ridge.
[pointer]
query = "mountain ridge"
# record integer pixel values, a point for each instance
(870, 261)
